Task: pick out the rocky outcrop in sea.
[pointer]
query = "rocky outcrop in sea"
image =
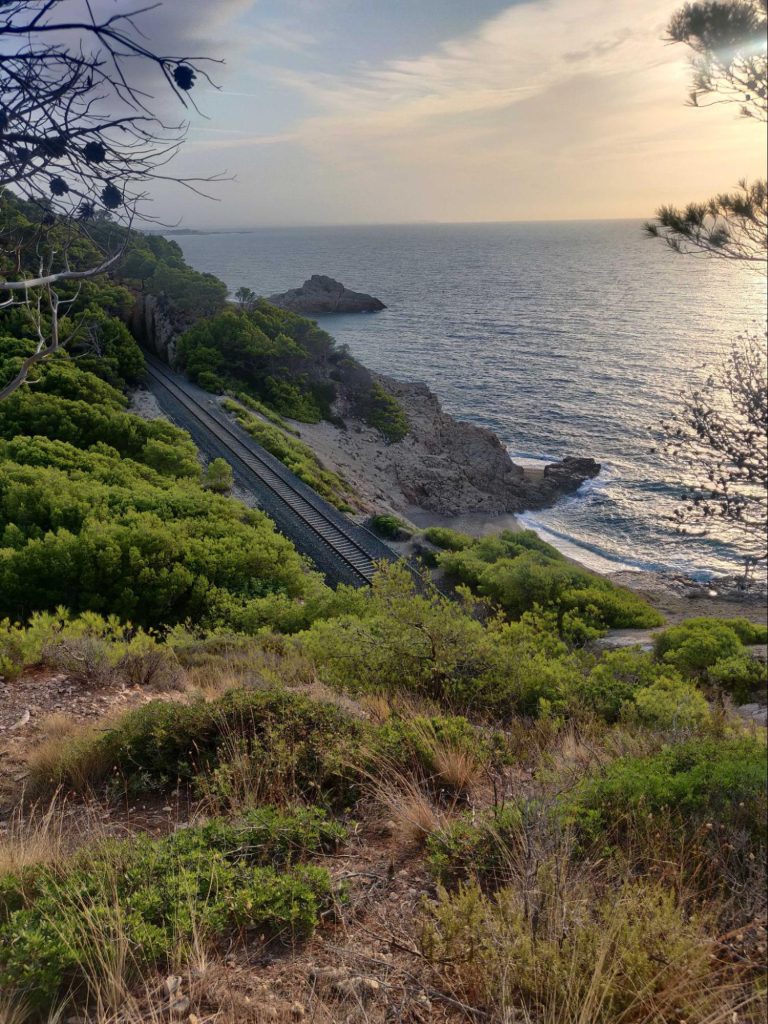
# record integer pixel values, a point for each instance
(321, 294)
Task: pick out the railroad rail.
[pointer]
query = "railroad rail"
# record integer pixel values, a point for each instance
(344, 551)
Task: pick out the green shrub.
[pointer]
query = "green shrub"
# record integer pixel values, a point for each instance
(424, 744)
(383, 412)
(147, 896)
(615, 680)
(672, 703)
(476, 846)
(428, 645)
(390, 527)
(579, 955)
(748, 632)
(718, 781)
(296, 455)
(218, 476)
(739, 675)
(695, 645)
(449, 540)
(303, 746)
(519, 572)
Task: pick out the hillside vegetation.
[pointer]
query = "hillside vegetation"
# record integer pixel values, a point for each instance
(232, 793)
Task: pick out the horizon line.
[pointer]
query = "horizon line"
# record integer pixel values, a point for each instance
(390, 224)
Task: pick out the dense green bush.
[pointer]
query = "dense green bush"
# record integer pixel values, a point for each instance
(390, 527)
(450, 540)
(145, 897)
(218, 476)
(695, 645)
(384, 413)
(104, 511)
(702, 780)
(429, 645)
(519, 571)
(711, 651)
(671, 703)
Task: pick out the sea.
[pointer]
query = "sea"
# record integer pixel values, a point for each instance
(565, 338)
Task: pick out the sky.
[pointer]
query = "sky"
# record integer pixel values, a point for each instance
(397, 111)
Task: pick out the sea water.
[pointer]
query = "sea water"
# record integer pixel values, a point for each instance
(565, 338)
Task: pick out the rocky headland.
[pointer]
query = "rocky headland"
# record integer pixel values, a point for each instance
(443, 466)
(320, 294)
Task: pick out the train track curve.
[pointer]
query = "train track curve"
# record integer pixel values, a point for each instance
(342, 550)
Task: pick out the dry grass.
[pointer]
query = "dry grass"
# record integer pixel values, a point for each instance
(35, 835)
(49, 762)
(410, 814)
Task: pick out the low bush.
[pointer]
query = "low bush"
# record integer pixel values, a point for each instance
(390, 527)
(382, 411)
(741, 676)
(720, 781)
(293, 745)
(695, 645)
(142, 899)
(449, 540)
(519, 571)
(712, 651)
(673, 704)
(633, 955)
(448, 753)
(90, 648)
(476, 847)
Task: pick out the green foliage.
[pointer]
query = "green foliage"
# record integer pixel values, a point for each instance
(57, 924)
(266, 352)
(476, 846)
(429, 645)
(701, 780)
(192, 293)
(741, 676)
(218, 476)
(450, 540)
(298, 457)
(101, 510)
(615, 679)
(672, 703)
(415, 743)
(711, 651)
(88, 646)
(519, 571)
(633, 955)
(695, 645)
(306, 744)
(383, 412)
(390, 527)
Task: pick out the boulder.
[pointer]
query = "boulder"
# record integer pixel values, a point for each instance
(322, 294)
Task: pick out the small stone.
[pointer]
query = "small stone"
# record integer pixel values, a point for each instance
(180, 1007)
(357, 988)
(172, 984)
(193, 1019)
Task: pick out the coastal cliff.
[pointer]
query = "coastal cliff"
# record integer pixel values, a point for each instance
(443, 465)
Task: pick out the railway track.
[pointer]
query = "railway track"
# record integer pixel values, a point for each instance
(293, 504)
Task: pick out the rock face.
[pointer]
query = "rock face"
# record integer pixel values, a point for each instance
(443, 465)
(322, 294)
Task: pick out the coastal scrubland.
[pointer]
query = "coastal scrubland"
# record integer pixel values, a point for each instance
(233, 793)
